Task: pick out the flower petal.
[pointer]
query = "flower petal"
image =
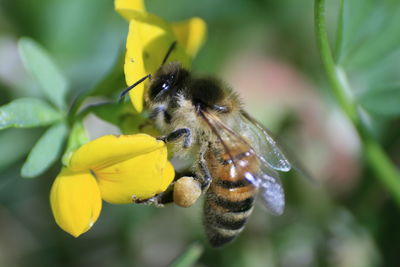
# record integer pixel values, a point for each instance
(146, 46)
(168, 176)
(130, 9)
(191, 34)
(142, 177)
(75, 201)
(111, 149)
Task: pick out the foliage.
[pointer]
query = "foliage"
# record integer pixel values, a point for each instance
(33, 112)
(353, 40)
(74, 56)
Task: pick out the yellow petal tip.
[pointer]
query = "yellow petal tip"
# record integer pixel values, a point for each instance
(75, 201)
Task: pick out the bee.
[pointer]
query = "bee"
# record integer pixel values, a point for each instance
(236, 157)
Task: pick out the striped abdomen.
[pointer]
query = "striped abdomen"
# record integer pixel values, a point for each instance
(230, 198)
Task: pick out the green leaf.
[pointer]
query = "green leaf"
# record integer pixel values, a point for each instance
(113, 80)
(189, 257)
(43, 68)
(15, 143)
(77, 137)
(45, 152)
(109, 112)
(385, 170)
(367, 52)
(123, 116)
(27, 112)
(382, 101)
(369, 30)
(112, 83)
(115, 113)
(339, 31)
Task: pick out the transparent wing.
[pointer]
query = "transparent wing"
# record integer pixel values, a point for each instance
(277, 156)
(265, 146)
(271, 191)
(233, 145)
(265, 178)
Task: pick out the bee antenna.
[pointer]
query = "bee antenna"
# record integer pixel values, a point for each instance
(170, 49)
(132, 86)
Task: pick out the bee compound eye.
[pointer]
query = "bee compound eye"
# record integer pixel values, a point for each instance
(165, 86)
(158, 88)
(186, 191)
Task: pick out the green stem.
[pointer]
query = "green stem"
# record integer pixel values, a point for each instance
(329, 64)
(189, 257)
(378, 160)
(339, 32)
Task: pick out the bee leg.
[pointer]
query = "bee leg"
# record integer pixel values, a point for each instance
(167, 196)
(177, 134)
(184, 192)
(206, 178)
(149, 201)
(158, 200)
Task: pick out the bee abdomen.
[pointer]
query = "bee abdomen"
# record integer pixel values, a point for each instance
(220, 236)
(226, 211)
(229, 223)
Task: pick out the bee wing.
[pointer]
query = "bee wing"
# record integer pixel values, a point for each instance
(271, 191)
(232, 142)
(272, 153)
(266, 179)
(266, 147)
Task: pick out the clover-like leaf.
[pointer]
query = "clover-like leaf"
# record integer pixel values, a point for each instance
(43, 68)
(367, 31)
(11, 151)
(367, 41)
(367, 53)
(382, 101)
(45, 152)
(27, 112)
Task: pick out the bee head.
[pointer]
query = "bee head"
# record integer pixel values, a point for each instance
(172, 82)
(167, 82)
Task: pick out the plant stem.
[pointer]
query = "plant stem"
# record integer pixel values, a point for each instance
(329, 64)
(189, 257)
(378, 160)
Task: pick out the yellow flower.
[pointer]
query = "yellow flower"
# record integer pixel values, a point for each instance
(113, 168)
(148, 40)
(118, 169)
(75, 201)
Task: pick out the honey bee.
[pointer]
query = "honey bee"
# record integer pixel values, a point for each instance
(236, 158)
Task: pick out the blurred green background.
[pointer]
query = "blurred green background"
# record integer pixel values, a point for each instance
(267, 51)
